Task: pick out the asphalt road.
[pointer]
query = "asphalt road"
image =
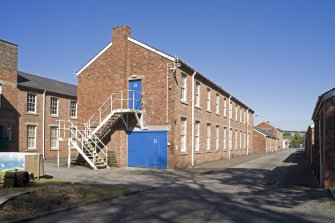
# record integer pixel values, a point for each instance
(277, 187)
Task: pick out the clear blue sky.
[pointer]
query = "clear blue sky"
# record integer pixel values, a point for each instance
(277, 56)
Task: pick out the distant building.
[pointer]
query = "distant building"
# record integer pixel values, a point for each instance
(324, 139)
(30, 106)
(273, 136)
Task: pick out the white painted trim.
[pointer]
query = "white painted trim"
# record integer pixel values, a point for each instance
(151, 49)
(94, 58)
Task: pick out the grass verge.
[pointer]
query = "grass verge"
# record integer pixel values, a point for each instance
(52, 194)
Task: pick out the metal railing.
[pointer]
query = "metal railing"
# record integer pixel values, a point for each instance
(121, 100)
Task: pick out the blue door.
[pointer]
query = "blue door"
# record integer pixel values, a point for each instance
(147, 149)
(135, 94)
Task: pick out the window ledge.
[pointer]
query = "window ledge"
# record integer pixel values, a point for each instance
(31, 150)
(183, 153)
(55, 116)
(73, 117)
(32, 113)
(218, 114)
(54, 149)
(209, 111)
(217, 151)
(197, 152)
(183, 102)
(198, 107)
(208, 151)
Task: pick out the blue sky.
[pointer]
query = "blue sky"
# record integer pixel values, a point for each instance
(277, 56)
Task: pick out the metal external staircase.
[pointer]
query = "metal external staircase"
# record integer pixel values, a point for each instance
(88, 142)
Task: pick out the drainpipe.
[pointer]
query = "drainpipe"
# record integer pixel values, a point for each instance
(43, 126)
(320, 147)
(230, 134)
(192, 141)
(247, 132)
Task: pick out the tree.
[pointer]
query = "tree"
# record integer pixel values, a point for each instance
(287, 134)
(297, 140)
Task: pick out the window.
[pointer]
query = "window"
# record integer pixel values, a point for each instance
(241, 115)
(208, 99)
(236, 135)
(248, 140)
(236, 113)
(240, 139)
(244, 140)
(73, 134)
(217, 101)
(31, 137)
(248, 119)
(197, 94)
(197, 136)
(54, 106)
(73, 109)
(231, 110)
(244, 119)
(224, 138)
(231, 138)
(54, 138)
(208, 137)
(183, 87)
(217, 137)
(225, 107)
(31, 103)
(183, 135)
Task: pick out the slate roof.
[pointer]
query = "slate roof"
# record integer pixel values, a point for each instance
(266, 133)
(49, 85)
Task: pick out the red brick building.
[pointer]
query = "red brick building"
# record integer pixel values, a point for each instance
(274, 138)
(264, 141)
(309, 145)
(30, 106)
(324, 139)
(154, 110)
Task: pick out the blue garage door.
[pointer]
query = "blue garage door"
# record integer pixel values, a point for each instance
(147, 149)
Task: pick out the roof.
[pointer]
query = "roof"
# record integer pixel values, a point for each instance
(46, 84)
(4, 41)
(325, 96)
(265, 133)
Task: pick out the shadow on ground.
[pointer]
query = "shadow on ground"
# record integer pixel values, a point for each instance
(284, 194)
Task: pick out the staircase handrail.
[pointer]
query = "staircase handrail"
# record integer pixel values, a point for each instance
(109, 102)
(91, 134)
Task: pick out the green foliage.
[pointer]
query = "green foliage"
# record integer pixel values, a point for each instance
(287, 134)
(297, 139)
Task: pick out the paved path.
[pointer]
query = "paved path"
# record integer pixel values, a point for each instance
(278, 187)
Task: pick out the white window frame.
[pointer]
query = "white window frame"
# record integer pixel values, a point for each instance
(240, 139)
(241, 115)
(224, 138)
(31, 137)
(53, 105)
(231, 111)
(236, 112)
(208, 99)
(73, 109)
(217, 132)
(197, 136)
(31, 103)
(244, 140)
(208, 137)
(197, 94)
(230, 138)
(183, 135)
(217, 104)
(183, 87)
(248, 119)
(236, 136)
(54, 145)
(225, 107)
(73, 136)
